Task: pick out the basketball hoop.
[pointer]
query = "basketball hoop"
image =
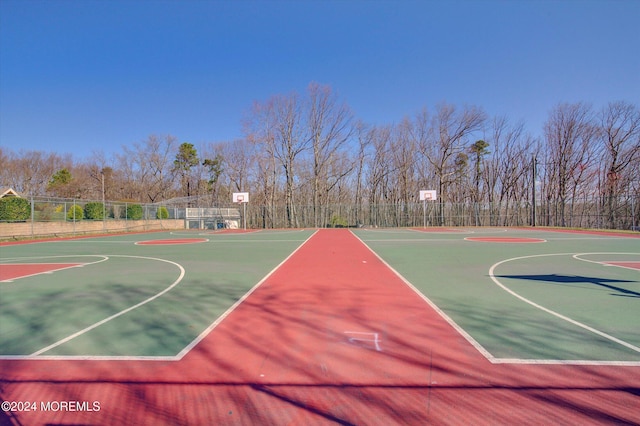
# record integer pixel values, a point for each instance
(240, 197)
(428, 195)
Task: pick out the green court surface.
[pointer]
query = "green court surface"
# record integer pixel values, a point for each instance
(567, 297)
(128, 299)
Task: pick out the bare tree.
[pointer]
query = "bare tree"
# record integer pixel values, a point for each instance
(303, 159)
(620, 133)
(569, 134)
(29, 172)
(379, 170)
(260, 130)
(329, 124)
(266, 171)
(402, 173)
(277, 126)
(144, 170)
(238, 157)
(450, 126)
(507, 169)
(364, 136)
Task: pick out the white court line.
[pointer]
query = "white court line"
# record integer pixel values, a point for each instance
(414, 240)
(253, 241)
(100, 242)
(608, 238)
(171, 242)
(440, 312)
(239, 234)
(226, 232)
(440, 230)
(361, 336)
(208, 330)
(485, 352)
(565, 362)
(86, 358)
(124, 311)
(14, 259)
(551, 312)
(179, 356)
(605, 262)
(49, 272)
(387, 230)
(49, 263)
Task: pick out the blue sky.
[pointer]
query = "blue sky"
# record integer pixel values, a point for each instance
(94, 75)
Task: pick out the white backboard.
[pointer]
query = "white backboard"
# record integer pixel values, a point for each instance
(240, 197)
(428, 195)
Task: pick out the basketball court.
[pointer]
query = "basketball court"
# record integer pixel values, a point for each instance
(365, 326)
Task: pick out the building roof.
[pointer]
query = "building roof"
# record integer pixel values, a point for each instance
(8, 192)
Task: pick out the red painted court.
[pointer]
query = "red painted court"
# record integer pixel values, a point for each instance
(631, 265)
(12, 271)
(505, 240)
(172, 241)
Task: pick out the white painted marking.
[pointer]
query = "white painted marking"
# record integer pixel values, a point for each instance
(549, 311)
(446, 231)
(492, 359)
(605, 262)
(174, 358)
(414, 240)
(565, 362)
(440, 312)
(364, 336)
(114, 316)
(50, 263)
(208, 330)
(171, 242)
(86, 358)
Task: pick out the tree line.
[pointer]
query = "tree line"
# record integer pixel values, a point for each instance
(310, 150)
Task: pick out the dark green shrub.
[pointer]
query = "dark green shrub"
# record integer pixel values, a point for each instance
(94, 211)
(134, 212)
(14, 209)
(75, 213)
(162, 213)
(338, 221)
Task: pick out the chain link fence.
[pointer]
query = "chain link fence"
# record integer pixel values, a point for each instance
(48, 216)
(591, 214)
(70, 216)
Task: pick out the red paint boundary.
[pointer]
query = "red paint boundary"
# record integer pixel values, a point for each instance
(282, 357)
(76, 237)
(171, 241)
(625, 264)
(13, 271)
(611, 233)
(505, 240)
(236, 231)
(440, 230)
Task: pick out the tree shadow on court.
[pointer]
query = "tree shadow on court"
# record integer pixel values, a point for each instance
(578, 279)
(425, 372)
(164, 402)
(523, 332)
